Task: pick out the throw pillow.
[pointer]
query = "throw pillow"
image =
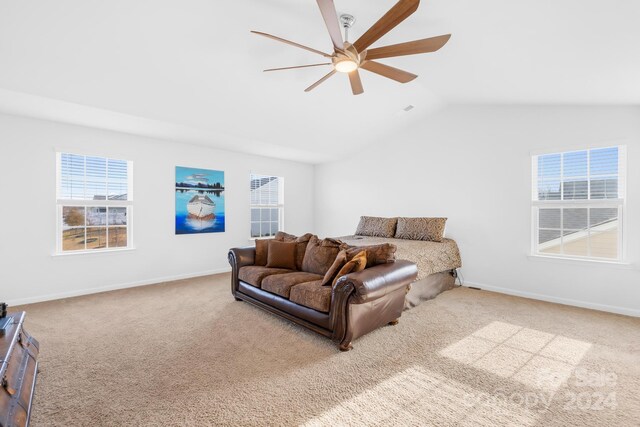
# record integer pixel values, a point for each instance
(357, 263)
(301, 244)
(340, 261)
(376, 226)
(281, 255)
(376, 254)
(421, 229)
(262, 249)
(320, 255)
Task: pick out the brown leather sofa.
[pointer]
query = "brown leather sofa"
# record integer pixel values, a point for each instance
(358, 303)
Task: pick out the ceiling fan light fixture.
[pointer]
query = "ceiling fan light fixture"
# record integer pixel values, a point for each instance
(345, 66)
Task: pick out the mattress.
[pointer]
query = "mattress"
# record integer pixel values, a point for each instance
(430, 257)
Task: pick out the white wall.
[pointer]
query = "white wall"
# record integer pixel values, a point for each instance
(472, 165)
(29, 272)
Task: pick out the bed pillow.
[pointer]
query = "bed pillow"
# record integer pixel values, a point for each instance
(357, 263)
(281, 255)
(338, 263)
(301, 244)
(421, 229)
(376, 227)
(376, 254)
(320, 255)
(262, 249)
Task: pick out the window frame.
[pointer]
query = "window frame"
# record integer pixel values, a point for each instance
(62, 203)
(617, 203)
(280, 205)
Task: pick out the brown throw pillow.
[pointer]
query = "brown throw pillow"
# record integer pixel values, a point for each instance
(262, 249)
(301, 244)
(376, 227)
(320, 255)
(338, 263)
(281, 255)
(357, 263)
(421, 229)
(376, 254)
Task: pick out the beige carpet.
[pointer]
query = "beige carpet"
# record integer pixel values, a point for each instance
(185, 353)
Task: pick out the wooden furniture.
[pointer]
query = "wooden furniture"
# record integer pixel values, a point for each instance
(18, 353)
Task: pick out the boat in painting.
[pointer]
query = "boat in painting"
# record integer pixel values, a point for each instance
(201, 207)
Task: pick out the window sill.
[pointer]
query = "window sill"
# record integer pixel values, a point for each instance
(101, 252)
(253, 239)
(581, 261)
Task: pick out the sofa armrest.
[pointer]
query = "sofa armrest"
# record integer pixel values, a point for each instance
(380, 280)
(240, 257)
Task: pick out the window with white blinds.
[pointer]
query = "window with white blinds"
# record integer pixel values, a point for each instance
(578, 201)
(94, 203)
(267, 205)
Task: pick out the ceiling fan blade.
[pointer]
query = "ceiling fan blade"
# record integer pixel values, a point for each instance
(409, 48)
(330, 16)
(389, 72)
(297, 66)
(280, 39)
(398, 13)
(356, 83)
(316, 84)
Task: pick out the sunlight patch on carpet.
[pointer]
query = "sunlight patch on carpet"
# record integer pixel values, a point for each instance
(415, 396)
(534, 358)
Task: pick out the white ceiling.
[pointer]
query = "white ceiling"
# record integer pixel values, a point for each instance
(190, 70)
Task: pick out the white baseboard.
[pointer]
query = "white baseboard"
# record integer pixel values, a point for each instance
(557, 300)
(75, 293)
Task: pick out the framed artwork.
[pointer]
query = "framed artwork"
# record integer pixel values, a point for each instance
(199, 201)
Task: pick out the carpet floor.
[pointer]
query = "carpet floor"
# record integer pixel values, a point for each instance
(185, 353)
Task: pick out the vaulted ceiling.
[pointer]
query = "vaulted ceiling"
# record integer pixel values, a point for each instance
(190, 70)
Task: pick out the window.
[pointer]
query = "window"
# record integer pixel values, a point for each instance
(578, 202)
(94, 203)
(267, 205)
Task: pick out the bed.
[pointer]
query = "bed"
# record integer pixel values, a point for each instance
(437, 263)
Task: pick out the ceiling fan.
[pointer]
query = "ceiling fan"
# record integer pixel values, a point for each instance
(350, 57)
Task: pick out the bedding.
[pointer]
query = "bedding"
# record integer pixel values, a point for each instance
(436, 263)
(430, 257)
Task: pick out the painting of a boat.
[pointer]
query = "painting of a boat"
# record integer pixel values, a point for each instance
(199, 201)
(201, 207)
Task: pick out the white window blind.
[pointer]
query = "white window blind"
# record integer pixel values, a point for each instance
(578, 201)
(267, 205)
(94, 203)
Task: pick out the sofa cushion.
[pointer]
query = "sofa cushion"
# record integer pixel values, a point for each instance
(376, 227)
(376, 254)
(253, 274)
(341, 259)
(357, 263)
(312, 295)
(281, 284)
(320, 255)
(281, 255)
(262, 249)
(421, 229)
(301, 244)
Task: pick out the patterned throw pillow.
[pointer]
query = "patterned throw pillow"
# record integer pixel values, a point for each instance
(421, 229)
(320, 255)
(357, 263)
(376, 227)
